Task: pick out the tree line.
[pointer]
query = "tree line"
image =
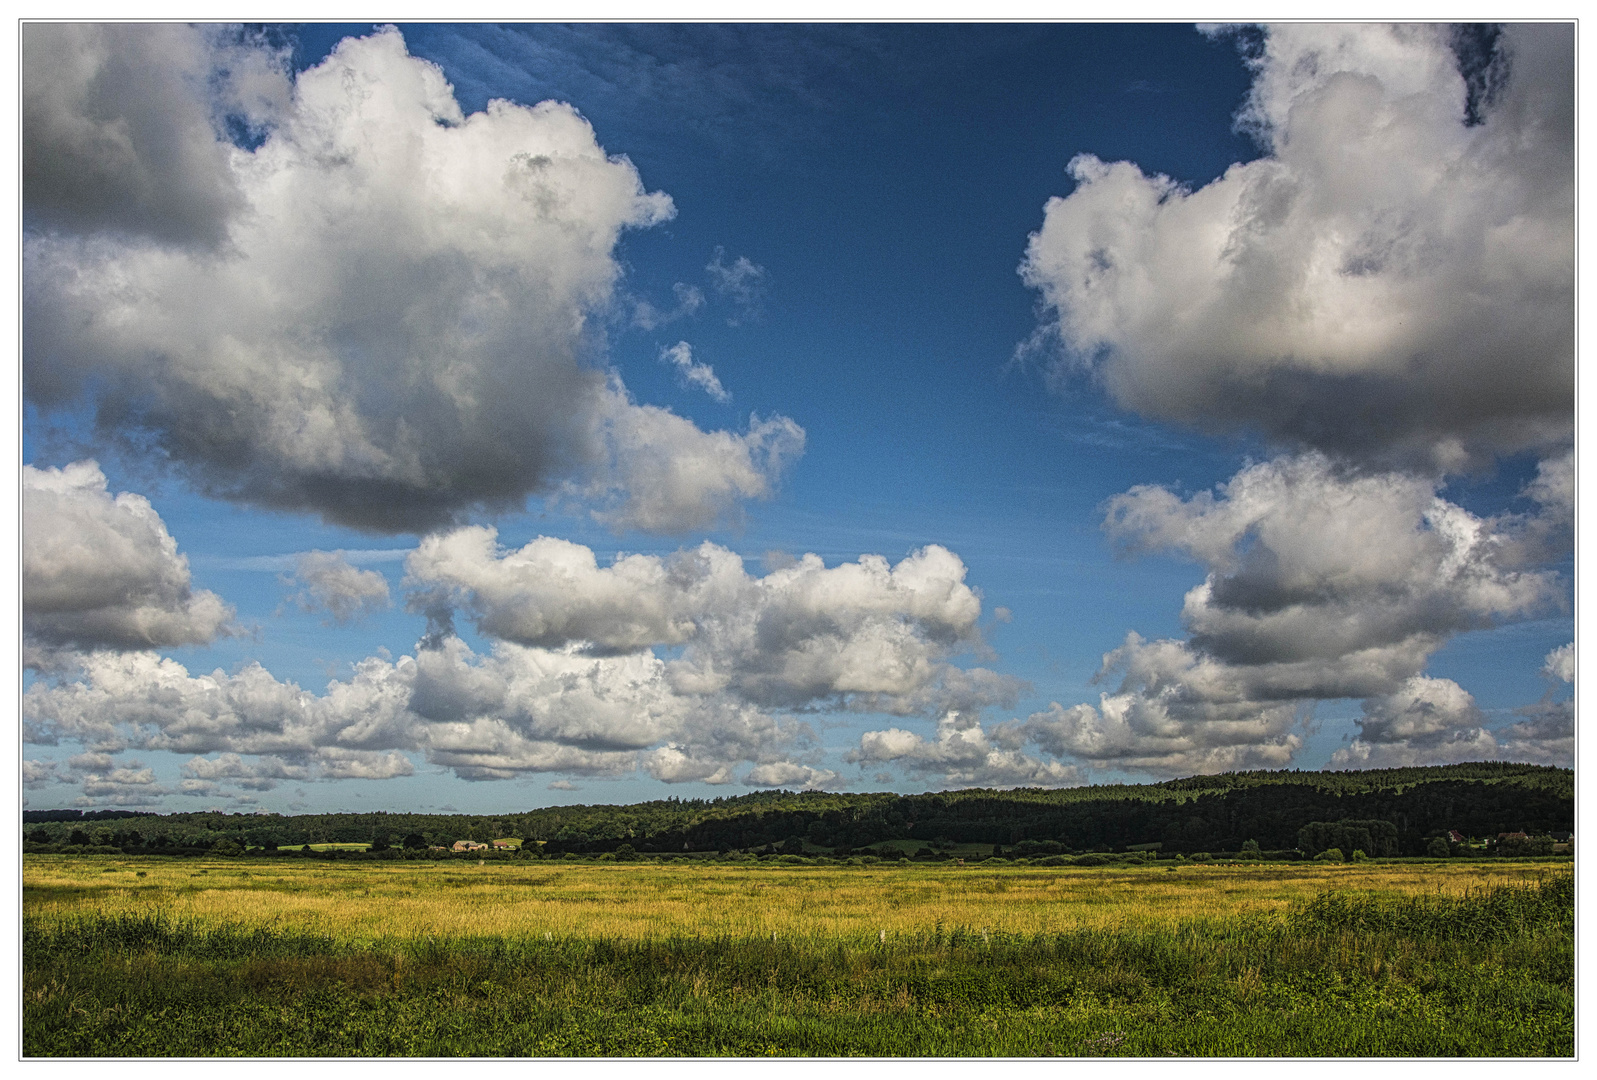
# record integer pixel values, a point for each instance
(1197, 814)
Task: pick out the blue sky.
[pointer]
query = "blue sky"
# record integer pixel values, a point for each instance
(1288, 394)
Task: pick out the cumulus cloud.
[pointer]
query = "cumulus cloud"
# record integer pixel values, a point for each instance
(784, 774)
(328, 582)
(102, 571)
(863, 635)
(1322, 582)
(1321, 579)
(485, 717)
(1391, 282)
(36, 774)
(262, 774)
(963, 755)
(1560, 663)
(572, 682)
(105, 781)
(665, 475)
(1426, 722)
(680, 356)
(1174, 713)
(396, 321)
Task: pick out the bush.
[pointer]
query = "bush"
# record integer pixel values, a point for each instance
(1359, 856)
(1250, 850)
(1330, 855)
(1200, 856)
(1438, 848)
(1532, 845)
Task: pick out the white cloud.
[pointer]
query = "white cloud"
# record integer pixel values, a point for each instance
(862, 635)
(963, 755)
(37, 774)
(262, 774)
(101, 570)
(1321, 580)
(675, 765)
(1388, 283)
(517, 710)
(788, 774)
(1560, 663)
(680, 356)
(397, 323)
(665, 475)
(1173, 715)
(328, 582)
(572, 683)
(105, 782)
(338, 763)
(1425, 722)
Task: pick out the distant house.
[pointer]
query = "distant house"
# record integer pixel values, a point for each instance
(1512, 836)
(504, 845)
(1455, 837)
(469, 845)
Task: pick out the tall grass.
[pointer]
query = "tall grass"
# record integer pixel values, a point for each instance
(376, 900)
(1484, 971)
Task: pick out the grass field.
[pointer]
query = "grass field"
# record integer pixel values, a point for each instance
(231, 956)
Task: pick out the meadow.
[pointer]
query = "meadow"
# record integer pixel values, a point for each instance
(151, 956)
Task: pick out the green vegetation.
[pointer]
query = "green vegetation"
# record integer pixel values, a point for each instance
(1393, 812)
(256, 957)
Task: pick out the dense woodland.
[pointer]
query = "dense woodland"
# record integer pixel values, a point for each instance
(1272, 811)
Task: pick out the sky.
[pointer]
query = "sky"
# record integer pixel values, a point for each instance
(479, 418)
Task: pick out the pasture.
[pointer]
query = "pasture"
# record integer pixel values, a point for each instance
(157, 956)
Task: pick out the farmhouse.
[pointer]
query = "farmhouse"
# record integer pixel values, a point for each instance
(469, 845)
(504, 845)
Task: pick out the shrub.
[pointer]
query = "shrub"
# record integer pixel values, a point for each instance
(1200, 856)
(1329, 855)
(1438, 848)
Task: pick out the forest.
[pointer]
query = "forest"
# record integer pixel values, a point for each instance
(1270, 811)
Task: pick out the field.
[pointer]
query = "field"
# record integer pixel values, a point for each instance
(155, 956)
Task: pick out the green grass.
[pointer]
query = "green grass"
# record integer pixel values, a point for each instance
(1486, 973)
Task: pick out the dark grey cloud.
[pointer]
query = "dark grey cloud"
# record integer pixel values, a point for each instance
(124, 126)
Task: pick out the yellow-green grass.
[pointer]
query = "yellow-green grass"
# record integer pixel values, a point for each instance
(369, 901)
(300, 957)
